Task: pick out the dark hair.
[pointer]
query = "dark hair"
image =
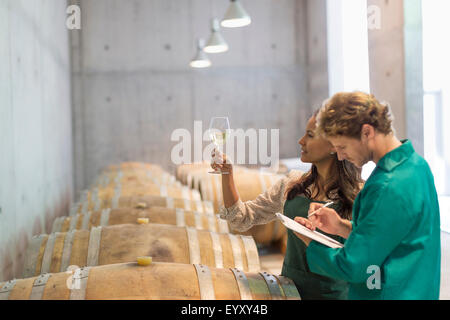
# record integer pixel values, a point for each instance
(342, 185)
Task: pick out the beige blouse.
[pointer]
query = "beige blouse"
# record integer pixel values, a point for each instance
(243, 215)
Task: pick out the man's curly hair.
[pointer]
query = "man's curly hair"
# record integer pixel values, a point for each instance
(345, 113)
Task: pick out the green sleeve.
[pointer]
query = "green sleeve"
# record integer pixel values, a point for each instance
(383, 221)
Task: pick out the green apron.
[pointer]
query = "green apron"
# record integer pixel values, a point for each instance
(310, 285)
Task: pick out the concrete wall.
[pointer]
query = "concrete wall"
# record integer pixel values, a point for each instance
(133, 85)
(317, 51)
(35, 125)
(395, 54)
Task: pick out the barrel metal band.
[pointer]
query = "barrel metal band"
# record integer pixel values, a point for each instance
(180, 217)
(84, 196)
(194, 245)
(212, 222)
(195, 194)
(163, 191)
(85, 207)
(251, 252)
(243, 284)
(223, 224)
(289, 289)
(198, 207)
(79, 284)
(237, 254)
(272, 284)
(97, 204)
(94, 196)
(207, 189)
(6, 289)
(74, 209)
(205, 282)
(104, 220)
(86, 220)
(94, 246)
(74, 222)
(185, 193)
(170, 203)
(48, 253)
(209, 208)
(32, 254)
(105, 181)
(38, 286)
(57, 224)
(196, 182)
(217, 248)
(115, 199)
(198, 221)
(67, 250)
(187, 204)
(189, 180)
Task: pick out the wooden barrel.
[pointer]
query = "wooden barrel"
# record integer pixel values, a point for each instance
(249, 184)
(96, 199)
(139, 189)
(183, 170)
(124, 242)
(157, 281)
(162, 215)
(134, 165)
(112, 178)
(143, 202)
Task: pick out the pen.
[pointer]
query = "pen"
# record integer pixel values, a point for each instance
(324, 206)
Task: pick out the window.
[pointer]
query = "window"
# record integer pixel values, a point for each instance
(436, 68)
(348, 50)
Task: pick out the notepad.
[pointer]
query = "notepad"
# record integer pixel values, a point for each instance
(313, 235)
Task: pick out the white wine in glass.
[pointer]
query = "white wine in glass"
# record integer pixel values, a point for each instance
(219, 129)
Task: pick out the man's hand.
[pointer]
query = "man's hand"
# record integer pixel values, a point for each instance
(328, 221)
(325, 219)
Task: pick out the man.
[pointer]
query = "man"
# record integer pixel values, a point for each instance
(392, 247)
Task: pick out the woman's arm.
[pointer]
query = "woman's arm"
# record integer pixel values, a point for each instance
(230, 193)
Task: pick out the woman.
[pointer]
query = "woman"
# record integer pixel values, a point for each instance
(327, 180)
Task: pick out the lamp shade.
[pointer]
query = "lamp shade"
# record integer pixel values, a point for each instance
(216, 42)
(236, 16)
(200, 60)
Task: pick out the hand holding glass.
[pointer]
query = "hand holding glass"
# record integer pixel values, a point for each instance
(219, 130)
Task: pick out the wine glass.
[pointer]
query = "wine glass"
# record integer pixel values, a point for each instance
(219, 129)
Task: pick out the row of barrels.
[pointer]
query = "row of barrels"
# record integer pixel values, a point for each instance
(250, 183)
(92, 252)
